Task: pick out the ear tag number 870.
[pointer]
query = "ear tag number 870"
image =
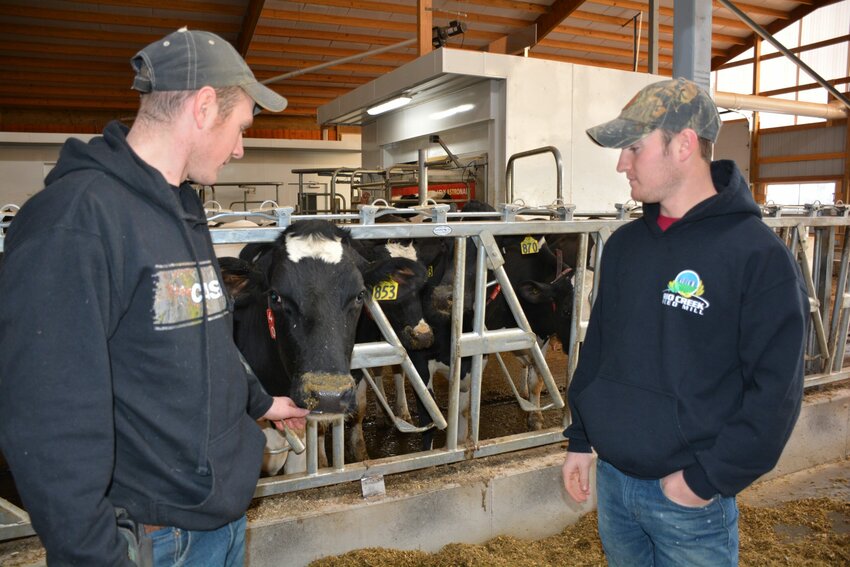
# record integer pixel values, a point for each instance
(386, 290)
(529, 245)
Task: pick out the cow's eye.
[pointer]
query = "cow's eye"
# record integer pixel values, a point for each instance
(361, 296)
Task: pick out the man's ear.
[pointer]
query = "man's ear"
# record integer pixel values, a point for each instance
(205, 107)
(688, 143)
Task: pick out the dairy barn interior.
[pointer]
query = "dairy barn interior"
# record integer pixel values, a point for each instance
(407, 110)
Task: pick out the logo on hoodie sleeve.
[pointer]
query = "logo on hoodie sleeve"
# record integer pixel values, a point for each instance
(179, 295)
(685, 292)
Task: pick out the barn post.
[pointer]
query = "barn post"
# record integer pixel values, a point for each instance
(692, 41)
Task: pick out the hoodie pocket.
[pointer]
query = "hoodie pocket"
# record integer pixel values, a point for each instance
(633, 428)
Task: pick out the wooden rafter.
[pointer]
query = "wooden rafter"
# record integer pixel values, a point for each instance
(249, 25)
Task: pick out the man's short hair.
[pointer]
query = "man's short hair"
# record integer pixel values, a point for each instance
(671, 105)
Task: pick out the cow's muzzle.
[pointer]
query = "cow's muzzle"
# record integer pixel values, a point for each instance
(323, 392)
(418, 337)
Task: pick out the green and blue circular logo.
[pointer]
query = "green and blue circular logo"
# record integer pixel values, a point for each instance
(687, 283)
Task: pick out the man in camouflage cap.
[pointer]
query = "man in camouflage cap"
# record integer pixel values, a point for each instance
(690, 377)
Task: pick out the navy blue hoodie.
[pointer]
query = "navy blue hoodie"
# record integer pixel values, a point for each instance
(693, 358)
(120, 384)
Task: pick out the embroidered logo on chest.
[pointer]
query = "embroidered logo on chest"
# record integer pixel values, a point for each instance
(685, 292)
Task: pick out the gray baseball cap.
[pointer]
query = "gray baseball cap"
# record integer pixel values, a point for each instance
(189, 60)
(672, 105)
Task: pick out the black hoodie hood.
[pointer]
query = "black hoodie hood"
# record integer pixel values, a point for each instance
(112, 155)
(733, 198)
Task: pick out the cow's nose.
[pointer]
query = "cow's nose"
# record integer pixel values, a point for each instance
(419, 337)
(326, 393)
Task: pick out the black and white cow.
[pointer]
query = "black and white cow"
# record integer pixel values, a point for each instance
(297, 306)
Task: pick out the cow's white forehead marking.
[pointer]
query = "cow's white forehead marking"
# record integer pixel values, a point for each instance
(398, 250)
(313, 246)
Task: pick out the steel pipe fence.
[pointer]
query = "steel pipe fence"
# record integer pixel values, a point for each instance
(812, 233)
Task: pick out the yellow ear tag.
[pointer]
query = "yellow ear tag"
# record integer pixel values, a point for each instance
(430, 270)
(386, 290)
(529, 245)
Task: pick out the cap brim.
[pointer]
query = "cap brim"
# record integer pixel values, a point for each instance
(618, 133)
(265, 97)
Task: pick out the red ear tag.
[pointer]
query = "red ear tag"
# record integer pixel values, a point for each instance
(270, 320)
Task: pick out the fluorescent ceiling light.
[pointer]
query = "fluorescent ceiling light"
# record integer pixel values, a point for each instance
(389, 105)
(451, 111)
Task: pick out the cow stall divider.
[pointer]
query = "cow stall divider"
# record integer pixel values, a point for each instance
(813, 233)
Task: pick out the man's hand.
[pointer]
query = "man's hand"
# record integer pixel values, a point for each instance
(284, 410)
(677, 490)
(576, 473)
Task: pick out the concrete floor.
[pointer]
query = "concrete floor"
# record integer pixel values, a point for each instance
(828, 480)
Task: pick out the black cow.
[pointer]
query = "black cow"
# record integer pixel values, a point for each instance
(544, 287)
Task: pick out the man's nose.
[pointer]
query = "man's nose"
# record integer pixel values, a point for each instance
(623, 162)
(239, 150)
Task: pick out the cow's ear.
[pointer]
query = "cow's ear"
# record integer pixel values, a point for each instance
(535, 292)
(236, 274)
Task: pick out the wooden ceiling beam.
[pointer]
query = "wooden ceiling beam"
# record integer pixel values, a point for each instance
(559, 11)
(249, 24)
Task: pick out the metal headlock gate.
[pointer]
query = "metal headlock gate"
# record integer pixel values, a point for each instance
(824, 271)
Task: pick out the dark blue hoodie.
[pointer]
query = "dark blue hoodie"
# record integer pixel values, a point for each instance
(120, 386)
(693, 358)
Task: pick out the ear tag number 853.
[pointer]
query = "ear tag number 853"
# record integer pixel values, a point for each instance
(529, 245)
(386, 290)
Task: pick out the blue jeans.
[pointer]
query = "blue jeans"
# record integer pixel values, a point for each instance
(224, 547)
(640, 526)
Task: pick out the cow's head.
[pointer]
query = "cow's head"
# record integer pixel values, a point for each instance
(314, 298)
(396, 279)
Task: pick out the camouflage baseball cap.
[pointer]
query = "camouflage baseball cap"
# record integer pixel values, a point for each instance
(672, 105)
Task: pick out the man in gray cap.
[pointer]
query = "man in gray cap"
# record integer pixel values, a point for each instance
(126, 412)
(690, 377)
